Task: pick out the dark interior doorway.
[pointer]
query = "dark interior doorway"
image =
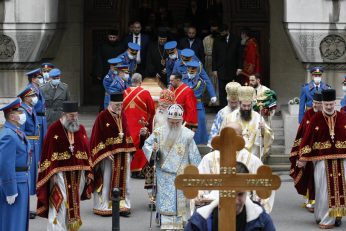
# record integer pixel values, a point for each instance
(102, 15)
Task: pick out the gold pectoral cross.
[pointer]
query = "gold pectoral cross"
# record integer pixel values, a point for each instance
(228, 182)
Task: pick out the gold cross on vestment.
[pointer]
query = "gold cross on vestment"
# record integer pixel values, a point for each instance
(228, 182)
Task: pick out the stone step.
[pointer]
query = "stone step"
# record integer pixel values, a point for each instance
(277, 149)
(280, 167)
(278, 132)
(278, 141)
(277, 123)
(203, 149)
(278, 159)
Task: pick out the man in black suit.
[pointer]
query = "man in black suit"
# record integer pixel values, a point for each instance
(143, 41)
(226, 59)
(193, 43)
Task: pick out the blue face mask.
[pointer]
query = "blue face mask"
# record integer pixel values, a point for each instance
(55, 82)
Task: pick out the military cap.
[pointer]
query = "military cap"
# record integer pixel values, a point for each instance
(54, 73)
(34, 73)
(47, 66)
(28, 91)
(134, 46)
(114, 61)
(316, 70)
(70, 106)
(11, 106)
(193, 63)
(170, 45)
(187, 53)
(328, 95)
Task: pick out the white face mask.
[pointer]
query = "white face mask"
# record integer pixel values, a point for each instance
(115, 72)
(22, 119)
(191, 76)
(130, 56)
(46, 75)
(34, 100)
(40, 81)
(344, 88)
(55, 82)
(317, 80)
(172, 56)
(126, 76)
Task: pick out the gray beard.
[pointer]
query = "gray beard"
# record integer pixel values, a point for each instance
(171, 136)
(160, 118)
(71, 126)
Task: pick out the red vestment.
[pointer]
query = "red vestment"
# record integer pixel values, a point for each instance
(138, 104)
(303, 177)
(105, 141)
(57, 157)
(251, 58)
(319, 143)
(186, 98)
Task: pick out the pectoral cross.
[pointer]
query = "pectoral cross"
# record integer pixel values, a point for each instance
(228, 181)
(71, 147)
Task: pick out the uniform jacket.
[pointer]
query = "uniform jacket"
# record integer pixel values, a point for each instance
(306, 96)
(54, 100)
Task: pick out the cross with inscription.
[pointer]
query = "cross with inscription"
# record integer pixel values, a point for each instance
(228, 181)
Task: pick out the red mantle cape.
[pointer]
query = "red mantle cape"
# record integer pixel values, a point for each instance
(317, 144)
(104, 139)
(303, 177)
(56, 157)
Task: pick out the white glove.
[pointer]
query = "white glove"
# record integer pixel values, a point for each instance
(238, 71)
(213, 99)
(205, 211)
(11, 199)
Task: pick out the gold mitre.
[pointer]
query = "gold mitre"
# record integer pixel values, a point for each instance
(232, 90)
(246, 93)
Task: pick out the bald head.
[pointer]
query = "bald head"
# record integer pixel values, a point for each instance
(236, 126)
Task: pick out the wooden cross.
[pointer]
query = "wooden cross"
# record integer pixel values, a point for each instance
(228, 182)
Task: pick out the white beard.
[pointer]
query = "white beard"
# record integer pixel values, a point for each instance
(171, 136)
(160, 118)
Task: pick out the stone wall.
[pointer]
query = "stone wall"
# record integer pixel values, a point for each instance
(287, 73)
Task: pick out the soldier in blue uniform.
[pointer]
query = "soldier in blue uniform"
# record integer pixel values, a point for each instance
(186, 56)
(308, 90)
(45, 69)
(117, 80)
(129, 57)
(14, 171)
(198, 84)
(173, 55)
(35, 81)
(31, 130)
(343, 101)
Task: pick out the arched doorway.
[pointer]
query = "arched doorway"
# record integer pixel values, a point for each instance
(102, 15)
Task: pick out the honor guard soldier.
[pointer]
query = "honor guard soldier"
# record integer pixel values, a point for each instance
(198, 84)
(173, 55)
(32, 132)
(45, 69)
(14, 174)
(343, 101)
(55, 93)
(308, 90)
(117, 80)
(129, 57)
(35, 81)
